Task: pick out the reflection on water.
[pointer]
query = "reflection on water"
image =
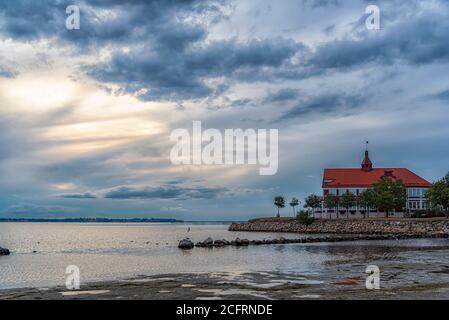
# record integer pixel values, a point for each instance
(42, 251)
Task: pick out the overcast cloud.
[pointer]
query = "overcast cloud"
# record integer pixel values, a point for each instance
(86, 115)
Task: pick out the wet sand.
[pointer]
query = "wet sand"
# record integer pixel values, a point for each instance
(344, 280)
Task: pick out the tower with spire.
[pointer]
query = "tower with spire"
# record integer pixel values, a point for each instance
(367, 165)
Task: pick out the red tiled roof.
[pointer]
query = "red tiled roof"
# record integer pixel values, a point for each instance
(352, 178)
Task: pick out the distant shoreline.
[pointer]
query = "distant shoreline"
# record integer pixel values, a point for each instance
(92, 220)
(110, 220)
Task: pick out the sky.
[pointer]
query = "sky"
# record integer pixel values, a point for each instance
(86, 114)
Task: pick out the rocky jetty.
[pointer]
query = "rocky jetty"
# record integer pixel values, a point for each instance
(336, 230)
(185, 244)
(4, 252)
(416, 228)
(332, 238)
(210, 243)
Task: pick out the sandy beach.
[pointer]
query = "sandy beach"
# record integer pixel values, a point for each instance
(236, 286)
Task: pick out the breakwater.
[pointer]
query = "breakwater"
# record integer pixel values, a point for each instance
(408, 228)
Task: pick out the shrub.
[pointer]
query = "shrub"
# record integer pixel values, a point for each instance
(305, 218)
(434, 213)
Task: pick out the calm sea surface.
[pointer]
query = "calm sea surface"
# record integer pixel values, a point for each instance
(42, 251)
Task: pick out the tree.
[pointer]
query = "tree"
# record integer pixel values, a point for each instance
(389, 195)
(368, 199)
(446, 179)
(348, 200)
(439, 194)
(294, 203)
(359, 204)
(313, 202)
(331, 202)
(279, 202)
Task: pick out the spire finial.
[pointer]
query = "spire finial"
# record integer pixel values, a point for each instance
(367, 165)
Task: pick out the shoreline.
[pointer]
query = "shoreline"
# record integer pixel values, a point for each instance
(403, 228)
(262, 285)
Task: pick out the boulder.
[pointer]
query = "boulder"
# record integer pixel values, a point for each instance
(186, 244)
(209, 242)
(221, 243)
(4, 252)
(237, 242)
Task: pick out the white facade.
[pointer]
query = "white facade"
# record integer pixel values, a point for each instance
(415, 201)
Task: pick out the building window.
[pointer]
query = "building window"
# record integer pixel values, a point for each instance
(413, 205)
(415, 192)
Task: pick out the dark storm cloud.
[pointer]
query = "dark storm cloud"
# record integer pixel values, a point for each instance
(443, 95)
(172, 74)
(165, 192)
(125, 20)
(321, 3)
(171, 61)
(324, 104)
(418, 41)
(86, 195)
(283, 95)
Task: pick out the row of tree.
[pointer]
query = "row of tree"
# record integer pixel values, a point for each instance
(438, 195)
(279, 202)
(386, 195)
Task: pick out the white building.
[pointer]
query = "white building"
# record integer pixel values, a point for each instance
(356, 180)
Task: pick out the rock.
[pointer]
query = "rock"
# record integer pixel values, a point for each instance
(209, 242)
(240, 242)
(4, 252)
(403, 229)
(221, 243)
(185, 244)
(237, 242)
